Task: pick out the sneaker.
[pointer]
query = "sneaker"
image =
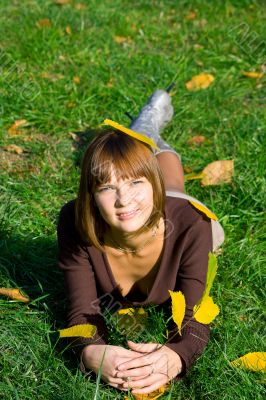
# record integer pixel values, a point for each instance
(154, 116)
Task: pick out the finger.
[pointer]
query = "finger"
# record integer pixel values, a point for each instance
(148, 389)
(143, 347)
(141, 361)
(155, 379)
(142, 371)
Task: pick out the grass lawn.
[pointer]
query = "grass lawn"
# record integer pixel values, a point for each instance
(64, 69)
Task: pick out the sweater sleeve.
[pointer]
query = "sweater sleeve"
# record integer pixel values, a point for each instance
(80, 285)
(191, 281)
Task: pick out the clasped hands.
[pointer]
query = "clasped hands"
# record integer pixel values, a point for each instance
(144, 368)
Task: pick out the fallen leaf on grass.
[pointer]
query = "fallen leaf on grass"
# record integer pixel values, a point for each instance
(215, 173)
(122, 39)
(68, 30)
(206, 311)
(150, 396)
(251, 361)
(196, 140)
(218, 172)
(253, 74)
(13, 148)
(52, 77)
(44, 23)
(211, 273)
(80, 6)
(178, 308)
(14, 128)
(14, 294)
(198, 82)
(62, 2)
(76, 79)
(83, 330)
(191, 15)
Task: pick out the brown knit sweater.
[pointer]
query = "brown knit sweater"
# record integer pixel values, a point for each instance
(90, 285)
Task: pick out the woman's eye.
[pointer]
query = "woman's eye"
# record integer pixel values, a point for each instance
(104, 189)
(136, 182)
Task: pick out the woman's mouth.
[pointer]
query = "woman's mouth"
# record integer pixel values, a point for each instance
(128, 215)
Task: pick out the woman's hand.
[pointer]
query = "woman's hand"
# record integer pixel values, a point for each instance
(159, 365)
(92, 356)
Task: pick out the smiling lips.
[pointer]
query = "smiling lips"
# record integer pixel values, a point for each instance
(127, 215)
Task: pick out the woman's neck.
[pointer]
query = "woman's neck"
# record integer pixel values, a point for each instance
(123, 240)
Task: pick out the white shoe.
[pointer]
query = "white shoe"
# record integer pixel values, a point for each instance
(154, 116)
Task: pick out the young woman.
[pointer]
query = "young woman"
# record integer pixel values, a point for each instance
(126, 241)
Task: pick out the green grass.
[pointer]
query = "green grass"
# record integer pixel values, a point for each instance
(225, 38)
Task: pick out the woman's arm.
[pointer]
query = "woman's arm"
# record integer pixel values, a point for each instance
(83, 304)
(191, 281)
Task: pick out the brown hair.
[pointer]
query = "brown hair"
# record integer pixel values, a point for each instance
(131, 158)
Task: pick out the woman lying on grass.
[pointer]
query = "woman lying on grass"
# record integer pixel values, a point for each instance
(130, 237)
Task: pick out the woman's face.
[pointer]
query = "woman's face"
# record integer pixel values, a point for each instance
(125, 205)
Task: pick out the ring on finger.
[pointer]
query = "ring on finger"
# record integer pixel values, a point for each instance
(152, 369)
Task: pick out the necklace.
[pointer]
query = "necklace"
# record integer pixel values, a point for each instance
(154, 234)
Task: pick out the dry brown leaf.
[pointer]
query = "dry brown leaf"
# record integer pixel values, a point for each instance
(76, 79)
(197, 46)
(14, 294)
(73, 135)
(218, 172)
(62, 2)
(13, 130)
(71, 104)
(253, 74)
(110, 84)
(80, 6)
(196, 140)
(191, 15)
(44, 23)
(122, 39)
(13, 148)
(198, 82)
(52, 77)
(187, 169)
(68, 30)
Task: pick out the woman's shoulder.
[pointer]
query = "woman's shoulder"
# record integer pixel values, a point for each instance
(184, 210)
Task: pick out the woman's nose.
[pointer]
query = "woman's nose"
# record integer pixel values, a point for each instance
(125, 195)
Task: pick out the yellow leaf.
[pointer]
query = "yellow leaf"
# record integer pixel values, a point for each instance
(253, 74)
(178, 308)
(62, 2)
(192, 176)
(129, 132)
(13, 148)
(44, 23)
(150, 396)
(196, 140)
(212, 271)
(122, 39)
(68, 30)
(14, 128)
(191, 15)
(76, 79)
(252, 361)
(206, 311)
(80, 6)
(218, 172)
(14, 294)
(204, 210)
(201, 81)
(84, 330)
(52, 77)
